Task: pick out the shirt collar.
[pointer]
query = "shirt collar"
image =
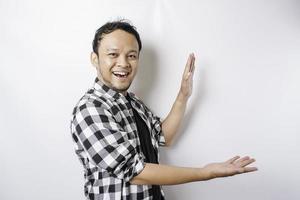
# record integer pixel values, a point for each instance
(105, 90)
(109, 92)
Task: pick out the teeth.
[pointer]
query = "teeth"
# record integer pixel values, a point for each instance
(121, 73)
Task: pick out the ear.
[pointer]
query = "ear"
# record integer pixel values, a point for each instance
(94, 59)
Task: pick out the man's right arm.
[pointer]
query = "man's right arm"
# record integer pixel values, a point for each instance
(157, 174)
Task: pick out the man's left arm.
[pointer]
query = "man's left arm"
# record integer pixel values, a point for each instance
(171, 123)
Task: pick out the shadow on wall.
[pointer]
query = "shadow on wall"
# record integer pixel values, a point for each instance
(197, 98)
(146, 79)
(194, 108)
(147, 73)
(145, 82)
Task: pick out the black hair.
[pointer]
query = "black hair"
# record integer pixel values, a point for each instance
(109, 27)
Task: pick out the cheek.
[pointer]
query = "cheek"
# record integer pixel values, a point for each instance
(108, 62)
(106, 65)
(134, 64)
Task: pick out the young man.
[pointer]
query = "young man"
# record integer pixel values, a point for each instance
(117, 136)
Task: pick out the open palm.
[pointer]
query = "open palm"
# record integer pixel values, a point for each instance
(187, 77)
(233, 166)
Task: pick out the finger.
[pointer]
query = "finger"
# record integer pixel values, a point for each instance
(190, 73)
(187, 65)
(249, 169)
(231, 160)
(187, 71)
(245, 158)
(192, 66)
(241, 160)
(247, 162)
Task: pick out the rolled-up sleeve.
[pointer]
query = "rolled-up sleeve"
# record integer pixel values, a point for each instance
(156, 124)
(106, 143)
(157, 128)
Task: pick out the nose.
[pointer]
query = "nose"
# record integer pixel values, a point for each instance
(122, 61)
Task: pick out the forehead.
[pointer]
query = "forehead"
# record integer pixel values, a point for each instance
(119, 39)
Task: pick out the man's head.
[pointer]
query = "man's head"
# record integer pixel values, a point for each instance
(116, 48)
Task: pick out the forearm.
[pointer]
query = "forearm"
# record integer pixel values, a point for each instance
(171, 123)
(157, 174)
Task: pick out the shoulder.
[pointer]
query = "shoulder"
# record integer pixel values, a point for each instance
(91, 101)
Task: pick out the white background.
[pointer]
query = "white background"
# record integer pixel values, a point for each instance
(246, 98)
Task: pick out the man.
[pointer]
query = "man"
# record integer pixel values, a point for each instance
(117, 136)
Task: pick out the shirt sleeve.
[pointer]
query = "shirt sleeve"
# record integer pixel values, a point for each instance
(156, 123)
(157, 127)
(106, 143)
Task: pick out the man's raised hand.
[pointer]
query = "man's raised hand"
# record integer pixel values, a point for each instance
(187, 77)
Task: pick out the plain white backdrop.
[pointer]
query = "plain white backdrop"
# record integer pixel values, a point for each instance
(246, 98)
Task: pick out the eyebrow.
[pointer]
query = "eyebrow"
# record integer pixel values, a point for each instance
(115, 49)
(133, 51)
(112, 49)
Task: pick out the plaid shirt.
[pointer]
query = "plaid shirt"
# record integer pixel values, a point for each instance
(107, 143)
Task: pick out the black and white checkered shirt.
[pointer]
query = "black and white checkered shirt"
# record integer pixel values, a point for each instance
(107, 143)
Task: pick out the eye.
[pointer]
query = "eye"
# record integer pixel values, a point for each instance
(132, 56)
(113, 55)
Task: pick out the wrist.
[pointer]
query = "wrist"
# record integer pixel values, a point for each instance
(204, 174)
(181, 98)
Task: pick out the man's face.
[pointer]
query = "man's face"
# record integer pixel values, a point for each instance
(117, 60)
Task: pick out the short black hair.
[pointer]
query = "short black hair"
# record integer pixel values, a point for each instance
(109, 27)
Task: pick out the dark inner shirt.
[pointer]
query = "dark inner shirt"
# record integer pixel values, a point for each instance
(146, 147)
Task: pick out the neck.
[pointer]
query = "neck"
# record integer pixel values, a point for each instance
(124, 92)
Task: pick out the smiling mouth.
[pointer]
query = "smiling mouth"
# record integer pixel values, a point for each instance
(121, 74)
